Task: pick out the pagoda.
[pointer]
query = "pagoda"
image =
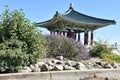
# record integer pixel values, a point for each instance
(72, 23)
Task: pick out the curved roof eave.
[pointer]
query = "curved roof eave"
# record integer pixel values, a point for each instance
(73, 23)
(75, 16)
(46, 23)
(83, 24)
(76, 20)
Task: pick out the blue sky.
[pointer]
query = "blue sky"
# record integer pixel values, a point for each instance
(41, 10)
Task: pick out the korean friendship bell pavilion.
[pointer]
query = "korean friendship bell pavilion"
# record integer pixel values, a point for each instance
(72, 23)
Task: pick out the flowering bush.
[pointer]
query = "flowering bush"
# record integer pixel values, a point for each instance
(65, 47)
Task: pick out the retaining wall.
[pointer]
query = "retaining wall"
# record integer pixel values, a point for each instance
(62, 75)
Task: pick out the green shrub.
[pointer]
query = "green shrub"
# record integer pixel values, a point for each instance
(111, 58)
(99, 48)
(102, 51)
(21, 44)
(66, 47)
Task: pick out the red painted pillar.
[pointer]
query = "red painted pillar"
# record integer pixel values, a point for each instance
(86, 38)
(78, 36)
(91, 43)
(71, 34)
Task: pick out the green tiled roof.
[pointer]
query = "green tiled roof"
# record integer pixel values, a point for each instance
(79, 17)
(75, 20)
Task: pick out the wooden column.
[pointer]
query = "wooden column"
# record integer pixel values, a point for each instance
(86, 38)
(60, 33)
(68, 34)
(78, 36)
(57, 32)
(91, 43)
(71, 34)
(63, 33)
(75, 35)
(50, 32)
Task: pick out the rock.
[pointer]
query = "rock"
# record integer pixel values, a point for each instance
(50, 63)
(98, 63)
(58, 68)
(115, 65)
(32, 66)
(2, 69)
(90, 65)
(40, 63)
(45, 67)
(97, 66)
(80, 66)
(103, 63)
(36, 68)
(55, 61)
(66, 67)
(70, 63)
(59, 62)
(107, 66)
(51, 68)
(25, 69)
(60, 57)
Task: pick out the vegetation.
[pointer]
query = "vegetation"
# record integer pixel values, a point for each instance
(101, 50)
(111, 58)
(66, 47)
(21, 44)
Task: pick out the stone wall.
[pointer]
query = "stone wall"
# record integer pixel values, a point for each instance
(63, 75)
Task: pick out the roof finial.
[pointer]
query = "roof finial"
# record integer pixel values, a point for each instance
(56, 13)
(71, 5)
(70, 8)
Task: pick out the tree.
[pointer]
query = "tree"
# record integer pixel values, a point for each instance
(21, 44)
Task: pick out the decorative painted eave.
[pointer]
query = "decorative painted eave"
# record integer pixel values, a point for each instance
(75, 20)
(73, 16)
